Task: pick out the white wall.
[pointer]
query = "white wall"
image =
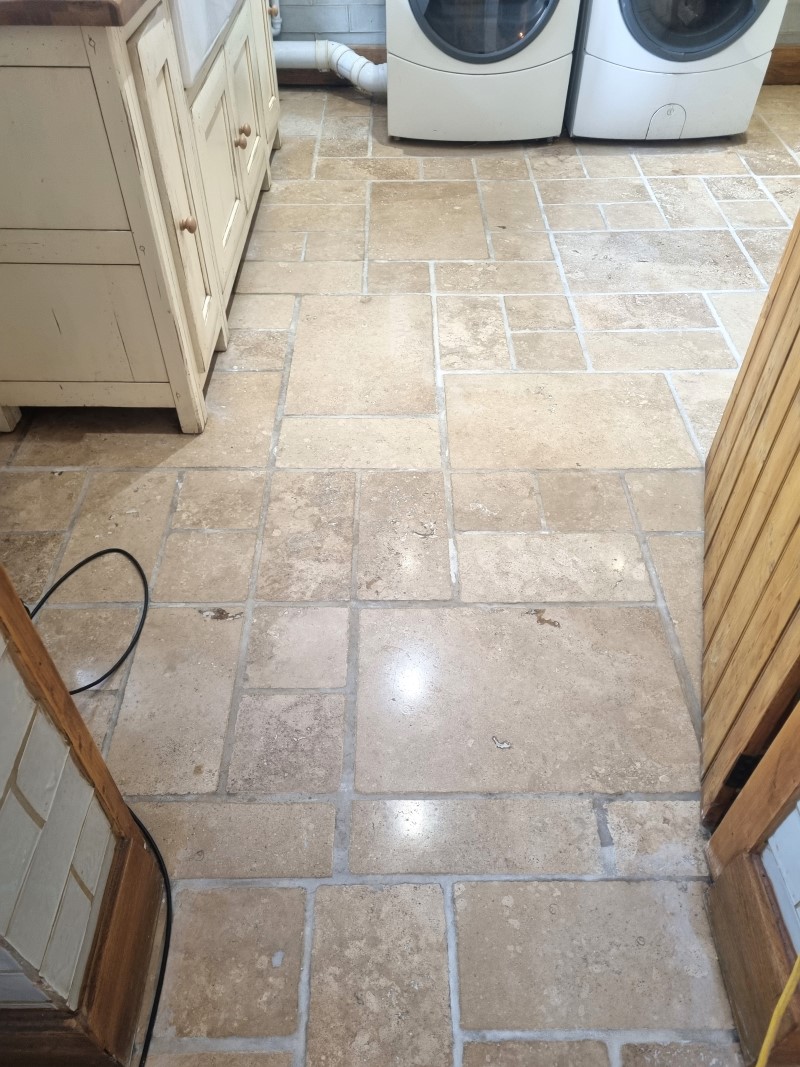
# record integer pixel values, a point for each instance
(364, 21)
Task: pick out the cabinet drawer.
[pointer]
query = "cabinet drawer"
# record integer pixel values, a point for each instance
(56, 167)
(76, 322)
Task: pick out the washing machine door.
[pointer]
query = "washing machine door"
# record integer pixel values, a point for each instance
(482, 31)
(688, 30)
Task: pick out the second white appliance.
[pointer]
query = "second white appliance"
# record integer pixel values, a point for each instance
(479, 70)
(670, 69)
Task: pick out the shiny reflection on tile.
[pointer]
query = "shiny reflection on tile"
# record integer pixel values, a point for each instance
(520, 568)
(502, 501)
(554, 835)
(234, 963)
(403, 551)
(229, 840)
(588, 938)
(532, 420)
(520, 699)
(370, 1003)
(363, 355)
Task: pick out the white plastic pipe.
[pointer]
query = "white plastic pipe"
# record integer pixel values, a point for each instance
(328, 55)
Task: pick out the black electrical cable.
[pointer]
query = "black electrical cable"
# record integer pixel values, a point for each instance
(33, 612)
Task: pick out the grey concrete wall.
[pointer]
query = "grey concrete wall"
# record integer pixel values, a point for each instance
(364, 21)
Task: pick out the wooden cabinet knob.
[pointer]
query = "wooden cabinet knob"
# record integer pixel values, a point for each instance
(241, 141)
(189, 225)
(246, 129)
(273, 11)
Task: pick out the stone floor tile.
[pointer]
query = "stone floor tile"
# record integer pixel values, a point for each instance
(448, 168)
(413, 220)
(324, 247)
(593, 939)
(668, 500)
(298, 648)
(220, 1059)
(232, 840)
(384, 1006)
(317, 192)
(786, 191)
(368, 355)
(253, 350)
(580, 500)
(547, 835)
(382, 443)
(258, 312)
(308, 538)
(739, 314)
(204, 567)
(664, 164)
(686, 203)
(379, 170)
(592, 191)
(266, 246)
(559, 165)
(302, 116)
(403, 546)
(704, 396)
(548, 350)
(505, 500)
(644, 311)
(500, 276)
(10, 441)
(97, 707)
(234, 963)
(657, 838)
(511, 206)
(752, 213)
(523, 568)
(539, 313)
(33, 501)
(472, 333)
(296, 278)
(286, 218)
(679, 565)
(658, 350)
(85, 642)
(288, 744)
(522, 244)
(575, 217)
(737, 188)
(634, 217)
(536, 1054)
(126, 510)
(171, 728)
(29, 558)
(398, 277)
(766, 248)
(444, 706)
(512, 167)
(764, 153)
(219, 500)
(608, 161)
(538, 420)
(620, 262)
(681, 1054)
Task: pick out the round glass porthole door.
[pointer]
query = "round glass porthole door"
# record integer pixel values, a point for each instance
(482, 31)
(685, 30)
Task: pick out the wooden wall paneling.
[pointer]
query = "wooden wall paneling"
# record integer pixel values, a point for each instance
(784, 66)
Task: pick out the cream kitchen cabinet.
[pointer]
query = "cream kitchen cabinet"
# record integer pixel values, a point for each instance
(125, 203)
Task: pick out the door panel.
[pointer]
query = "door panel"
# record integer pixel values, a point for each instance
(213, 116)
(179, 182)
(244, 76)
(269, 77)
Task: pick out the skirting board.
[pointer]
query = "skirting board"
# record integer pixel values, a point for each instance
(376, 53)
(784, 67)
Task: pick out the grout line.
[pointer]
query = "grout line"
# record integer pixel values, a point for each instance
(444, 443)
(512, 355)
(202, 885)
(304, 985)
(684, 414)
(646, 182)
(318, 141)
(245, 797)
(367, 222)
(247, 624)
(55, 568)
(537, 490)
(608, 854)
(723, 330)
(691, 698)
(452, 971)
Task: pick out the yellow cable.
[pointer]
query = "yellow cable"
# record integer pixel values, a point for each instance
(778, 1014)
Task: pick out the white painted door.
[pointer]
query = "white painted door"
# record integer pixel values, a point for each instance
(214, 120)
(269, 76)
(179, 183)
(243, 70)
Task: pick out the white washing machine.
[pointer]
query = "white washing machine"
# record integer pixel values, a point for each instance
(668, 69)
(479, 70)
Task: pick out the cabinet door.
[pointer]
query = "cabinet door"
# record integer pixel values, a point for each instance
(240, 52)
(269, 76)
(213, 116)
(179, 182)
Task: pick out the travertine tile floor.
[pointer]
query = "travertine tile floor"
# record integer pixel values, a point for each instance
(414, 712)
